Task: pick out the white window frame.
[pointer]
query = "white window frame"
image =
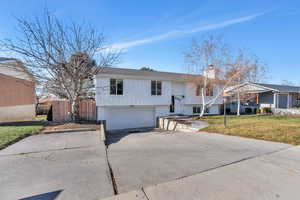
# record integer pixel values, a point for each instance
(156, 88)
(116, 83)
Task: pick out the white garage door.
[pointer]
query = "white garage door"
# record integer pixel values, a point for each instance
(125, 118)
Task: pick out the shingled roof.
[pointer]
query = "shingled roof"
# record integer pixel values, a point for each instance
(145, 73)
(280, 88)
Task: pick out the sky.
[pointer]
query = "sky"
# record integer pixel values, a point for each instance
(156, 33)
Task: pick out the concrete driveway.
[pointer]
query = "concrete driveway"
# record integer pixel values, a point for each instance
(73, 166)
(144, 159)
(55, 166)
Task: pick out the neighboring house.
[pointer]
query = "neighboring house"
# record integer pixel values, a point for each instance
(17, 89)
(271, 95)
(129, 98)
(246, 107)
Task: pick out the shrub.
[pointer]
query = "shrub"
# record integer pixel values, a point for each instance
(228, 111)
(265, 111)
(256, 111)
(248, 110)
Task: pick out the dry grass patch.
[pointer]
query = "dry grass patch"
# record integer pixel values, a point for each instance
(284, 129)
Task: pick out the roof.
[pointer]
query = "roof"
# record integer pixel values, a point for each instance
(280, 88)
(263, 87)
(49, 99)
(145, 73)
(15, 68)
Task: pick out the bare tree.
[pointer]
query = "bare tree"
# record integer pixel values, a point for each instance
(206, 58)
(213, 61)
(61, 56)
(242, 68)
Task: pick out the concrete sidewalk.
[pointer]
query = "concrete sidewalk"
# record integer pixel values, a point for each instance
(271, 176)
(62, 166)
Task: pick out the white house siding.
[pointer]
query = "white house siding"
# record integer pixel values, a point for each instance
(162, 111)
(191, 97)
(135, 92)
(213, 110)
(17, 113)
(178, 88)
(15, 71)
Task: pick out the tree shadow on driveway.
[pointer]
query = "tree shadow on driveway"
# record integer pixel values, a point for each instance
(46, 196)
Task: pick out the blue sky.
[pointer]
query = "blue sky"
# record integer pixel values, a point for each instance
(155, 33)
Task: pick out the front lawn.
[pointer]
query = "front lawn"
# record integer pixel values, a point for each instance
(284, 129)
(12, 132)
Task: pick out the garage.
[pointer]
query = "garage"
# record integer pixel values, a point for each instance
(126, 118)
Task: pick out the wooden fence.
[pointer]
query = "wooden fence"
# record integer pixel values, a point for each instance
(61, 111)
(87, 110)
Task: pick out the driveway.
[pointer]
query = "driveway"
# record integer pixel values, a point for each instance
(74, 166)
(55, 166)
(144, 159)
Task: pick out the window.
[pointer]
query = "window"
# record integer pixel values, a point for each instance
(206, 110)
(156, 88)
(209, 91)
(298, 96)
(116, 86)
(196, 109)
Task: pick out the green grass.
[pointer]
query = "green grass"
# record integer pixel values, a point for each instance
(13, 132)
(284, 129)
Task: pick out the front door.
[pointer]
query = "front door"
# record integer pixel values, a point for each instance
(179, 104)
(178, 92)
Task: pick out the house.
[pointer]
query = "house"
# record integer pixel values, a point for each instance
(130, 98)
(17, 89)
(271, 95)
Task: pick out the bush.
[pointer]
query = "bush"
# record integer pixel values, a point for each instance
(248, 110)
(228, 111)
(265, 111)
(256, 111)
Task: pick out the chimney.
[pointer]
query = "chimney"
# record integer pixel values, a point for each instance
(210, 72)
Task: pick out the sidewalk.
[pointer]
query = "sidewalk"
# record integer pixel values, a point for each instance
(272, 176)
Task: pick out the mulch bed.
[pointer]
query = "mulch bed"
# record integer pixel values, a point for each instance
(70, 125)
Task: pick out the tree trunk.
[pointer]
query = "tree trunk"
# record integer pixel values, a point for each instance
(75, 110)
(238, 104)
(203, 102)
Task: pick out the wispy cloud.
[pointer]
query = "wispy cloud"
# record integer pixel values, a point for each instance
(181, 32)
